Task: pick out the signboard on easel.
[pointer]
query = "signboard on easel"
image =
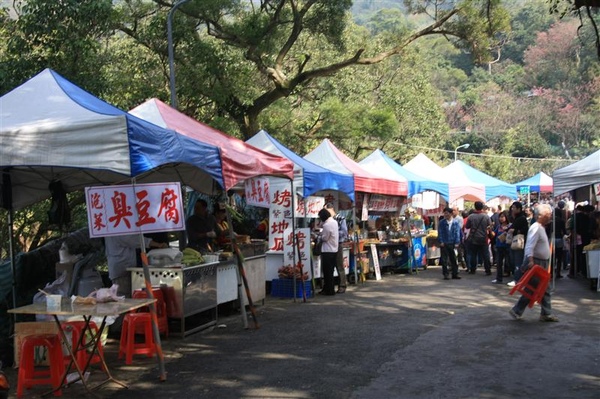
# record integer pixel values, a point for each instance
(375, 258)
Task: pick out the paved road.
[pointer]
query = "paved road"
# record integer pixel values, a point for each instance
(406, 336)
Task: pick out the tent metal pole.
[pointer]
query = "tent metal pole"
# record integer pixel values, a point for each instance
(170, 50)
(11, 254)
(148, 283)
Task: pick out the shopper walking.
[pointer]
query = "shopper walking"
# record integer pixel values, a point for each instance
(478, 224)
(537, 252)
(519, 225)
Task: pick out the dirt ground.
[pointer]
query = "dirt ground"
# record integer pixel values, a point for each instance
(405, 336)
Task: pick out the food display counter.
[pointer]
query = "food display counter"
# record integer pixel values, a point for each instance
(227, 280)
(392, 256)
(194, 292)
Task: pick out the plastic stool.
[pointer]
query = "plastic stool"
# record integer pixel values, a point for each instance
(533, 284)
(53, 375)
(82, 355)
(161, 309)
(128, 346)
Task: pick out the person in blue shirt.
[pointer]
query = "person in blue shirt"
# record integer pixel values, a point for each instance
(449, 238)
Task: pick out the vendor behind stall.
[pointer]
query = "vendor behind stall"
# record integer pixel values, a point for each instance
(222, 228)
(201, 227)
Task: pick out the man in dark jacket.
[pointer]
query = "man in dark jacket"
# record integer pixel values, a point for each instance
(449, 238)
(478, 224)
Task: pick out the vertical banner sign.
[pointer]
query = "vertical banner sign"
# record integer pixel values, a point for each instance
(375, 258)
(280, 214)
(290, 251)
(597, 191)
(365, 208)
(128, 209)
(308, 207)
(257, 192)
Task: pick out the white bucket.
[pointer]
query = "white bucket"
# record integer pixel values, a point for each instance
(210, 258)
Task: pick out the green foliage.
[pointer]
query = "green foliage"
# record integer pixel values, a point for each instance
(62, 35)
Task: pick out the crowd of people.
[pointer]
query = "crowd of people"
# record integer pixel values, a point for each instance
(498, 238)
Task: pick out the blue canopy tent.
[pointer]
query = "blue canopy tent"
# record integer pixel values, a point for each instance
(379, 161)
(307, 175)
(493, 187)
(52, 130)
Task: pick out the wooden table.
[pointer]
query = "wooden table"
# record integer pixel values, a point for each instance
(102, 310)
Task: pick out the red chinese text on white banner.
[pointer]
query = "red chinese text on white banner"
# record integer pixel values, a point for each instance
(127, 209)
(257, 192)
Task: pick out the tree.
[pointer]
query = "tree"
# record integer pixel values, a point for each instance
(243, 57)
(63, 35)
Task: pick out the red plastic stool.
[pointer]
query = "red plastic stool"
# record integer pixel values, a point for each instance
(82, 355)
(161, 309)
(53, 375)
(533, 284)
(128, 346)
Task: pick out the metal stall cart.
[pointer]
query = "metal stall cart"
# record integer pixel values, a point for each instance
(191, 294)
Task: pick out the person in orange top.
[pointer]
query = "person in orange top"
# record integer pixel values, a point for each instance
(222, 228)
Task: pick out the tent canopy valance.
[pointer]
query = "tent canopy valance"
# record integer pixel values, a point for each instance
(53, 130)
(579, 174)
(379, 161)
(308, 175)
(239, 160)
(329, 157)
(540, 183)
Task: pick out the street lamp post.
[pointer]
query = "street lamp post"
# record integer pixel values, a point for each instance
(170, 49)
(458, 148)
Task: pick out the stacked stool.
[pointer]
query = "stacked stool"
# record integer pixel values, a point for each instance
(52, 375)
(161, 309)
(128, 346)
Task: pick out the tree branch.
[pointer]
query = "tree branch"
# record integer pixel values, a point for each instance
(431, 29)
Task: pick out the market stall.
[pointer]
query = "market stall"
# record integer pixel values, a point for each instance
(582, 180)
(240, 162)
(424, 194)
(377, 194)
(310, 179)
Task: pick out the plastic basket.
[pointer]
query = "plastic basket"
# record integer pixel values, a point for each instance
(284, 288)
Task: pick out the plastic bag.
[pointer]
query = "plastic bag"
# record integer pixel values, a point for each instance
(104, 295)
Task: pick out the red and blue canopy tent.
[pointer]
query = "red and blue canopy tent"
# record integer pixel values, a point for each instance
(540, 183)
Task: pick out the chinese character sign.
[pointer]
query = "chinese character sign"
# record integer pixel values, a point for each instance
(384, 203)
(308, 207)
(146, 208)
(290, 248)
(280, 214)
(257, 192)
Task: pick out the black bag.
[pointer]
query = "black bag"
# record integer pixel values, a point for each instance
(317, 249)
